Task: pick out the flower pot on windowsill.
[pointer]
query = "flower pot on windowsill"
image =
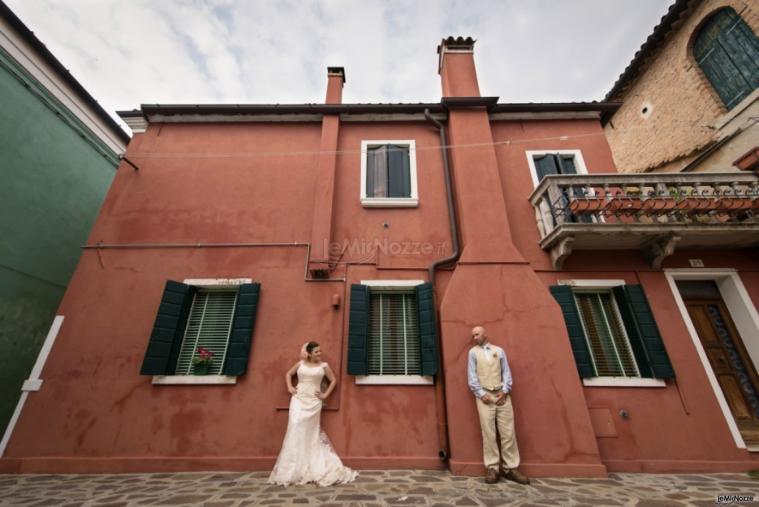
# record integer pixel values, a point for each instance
(201, 368)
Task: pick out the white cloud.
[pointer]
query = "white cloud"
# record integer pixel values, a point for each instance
(277, 51)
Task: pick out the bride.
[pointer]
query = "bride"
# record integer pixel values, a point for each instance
(307, 455)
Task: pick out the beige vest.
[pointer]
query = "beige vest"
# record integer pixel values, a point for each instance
(489, 368)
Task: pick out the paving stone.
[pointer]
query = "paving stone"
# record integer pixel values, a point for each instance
(218, 504)
(493, 502)
(48, 501)
(426, 478)
(355, 497)
(405, 500)
(466, 501)
(179, 500)
(658, 503)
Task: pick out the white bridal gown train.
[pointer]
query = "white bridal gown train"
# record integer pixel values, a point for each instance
(307, 454)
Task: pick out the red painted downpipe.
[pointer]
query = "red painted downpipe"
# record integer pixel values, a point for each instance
(440, 407)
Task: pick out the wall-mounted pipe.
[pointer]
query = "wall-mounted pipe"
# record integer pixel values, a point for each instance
(440, 402)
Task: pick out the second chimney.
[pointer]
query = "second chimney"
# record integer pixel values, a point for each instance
(456, 67)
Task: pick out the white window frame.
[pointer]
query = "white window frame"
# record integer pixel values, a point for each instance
(390, 202)
(746, 320)
(610, 381)
(545, 210)
(419, 380)
(203, 283)
(579, 161)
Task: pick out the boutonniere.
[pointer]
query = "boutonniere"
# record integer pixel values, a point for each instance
(495, 354)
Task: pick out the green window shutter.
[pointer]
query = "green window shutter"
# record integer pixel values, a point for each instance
(645, 339)
(358, 330)
(563, 295)
(241, 334)
(168, 330)
(425, 302)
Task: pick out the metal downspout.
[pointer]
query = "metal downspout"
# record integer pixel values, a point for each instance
(440, 404)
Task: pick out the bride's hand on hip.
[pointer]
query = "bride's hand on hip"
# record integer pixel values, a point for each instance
(321, 396)
(293, 390)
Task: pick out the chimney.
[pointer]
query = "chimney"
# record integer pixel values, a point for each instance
(456, 67)
(335, 82)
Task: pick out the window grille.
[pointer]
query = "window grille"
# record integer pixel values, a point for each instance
(393, 344)
(208, 326)
(606, 336)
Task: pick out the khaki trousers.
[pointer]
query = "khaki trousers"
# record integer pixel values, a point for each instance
(502, 416)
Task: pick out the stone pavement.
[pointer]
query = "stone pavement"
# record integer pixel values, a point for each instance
(372, 488)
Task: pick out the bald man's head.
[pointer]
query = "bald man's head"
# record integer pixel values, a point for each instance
(479, 335)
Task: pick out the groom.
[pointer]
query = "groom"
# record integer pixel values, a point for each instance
(489, 378)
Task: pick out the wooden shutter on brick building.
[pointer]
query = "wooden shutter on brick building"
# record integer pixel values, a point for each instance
(168, 330)
(727, 50)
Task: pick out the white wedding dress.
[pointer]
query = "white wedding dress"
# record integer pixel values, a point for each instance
(307, 455)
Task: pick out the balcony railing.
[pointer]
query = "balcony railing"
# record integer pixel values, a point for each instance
(651, 212)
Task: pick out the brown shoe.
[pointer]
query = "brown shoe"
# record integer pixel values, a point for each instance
(491, 476)
(515, 475)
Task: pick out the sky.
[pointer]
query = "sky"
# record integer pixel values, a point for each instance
(132, 52)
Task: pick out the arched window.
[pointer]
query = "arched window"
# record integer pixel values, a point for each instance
(727, 50)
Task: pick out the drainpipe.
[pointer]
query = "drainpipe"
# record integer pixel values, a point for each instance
(440, 410)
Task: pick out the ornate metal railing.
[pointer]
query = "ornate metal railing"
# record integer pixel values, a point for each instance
(646, 204)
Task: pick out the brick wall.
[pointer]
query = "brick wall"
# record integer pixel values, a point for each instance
(679, 103)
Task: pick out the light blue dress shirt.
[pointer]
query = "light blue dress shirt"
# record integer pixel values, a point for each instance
(471, 371)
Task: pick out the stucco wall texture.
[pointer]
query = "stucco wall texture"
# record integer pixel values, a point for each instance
(683, 113)
(220, 182)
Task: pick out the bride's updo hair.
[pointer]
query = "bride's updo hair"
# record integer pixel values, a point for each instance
(306, 349)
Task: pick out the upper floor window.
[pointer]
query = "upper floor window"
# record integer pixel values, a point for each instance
(388, 173)
(727, 50)
(545, 163)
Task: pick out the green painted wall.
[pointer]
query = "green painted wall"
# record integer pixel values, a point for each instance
(54, 174)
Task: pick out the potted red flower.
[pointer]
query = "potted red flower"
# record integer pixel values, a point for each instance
(201, 363)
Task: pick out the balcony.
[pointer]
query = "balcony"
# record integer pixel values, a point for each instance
(653, 213)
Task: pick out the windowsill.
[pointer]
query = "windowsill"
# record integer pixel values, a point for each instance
(752, 448)
(623, 382)
(379, 380)
(193, 379)
(389, 202)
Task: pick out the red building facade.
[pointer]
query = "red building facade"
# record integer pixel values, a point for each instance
(274, 225)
